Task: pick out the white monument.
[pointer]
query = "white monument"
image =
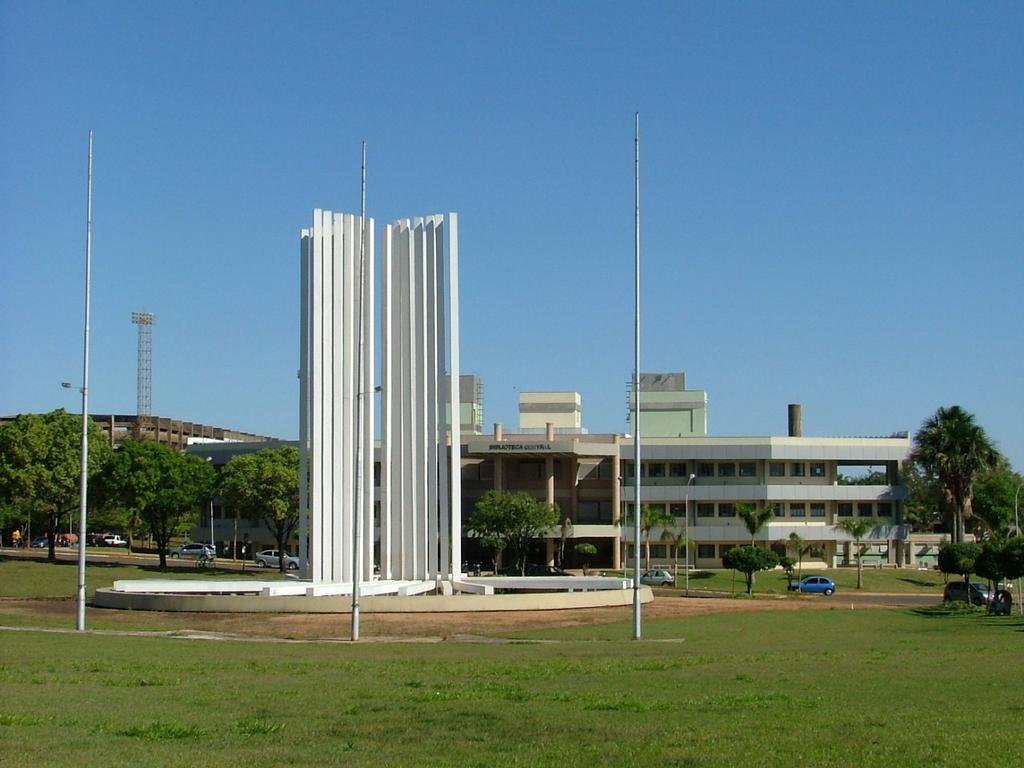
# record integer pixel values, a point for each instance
(420, 523)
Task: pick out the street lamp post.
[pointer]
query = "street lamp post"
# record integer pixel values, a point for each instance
(686, 529)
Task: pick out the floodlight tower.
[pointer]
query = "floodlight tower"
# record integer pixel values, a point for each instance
(145, 322)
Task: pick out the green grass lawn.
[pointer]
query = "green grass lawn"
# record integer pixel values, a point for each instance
(901, 580)
(803, 688)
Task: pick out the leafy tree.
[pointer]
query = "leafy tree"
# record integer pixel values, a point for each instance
(753, 518)
(991, 561)
(41, 465)
(678, 540)
(651, 517)
(1013, 558)
(992, 505)
(959, 558)
(926, 500)
(163, 487)
(788, 564)
(749, 560)
(858, 528)
(505, 520)
(801, 548)
(585, 550)
(954, 448)
(265, 484)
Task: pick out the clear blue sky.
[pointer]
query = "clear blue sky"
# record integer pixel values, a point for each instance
(833, 198)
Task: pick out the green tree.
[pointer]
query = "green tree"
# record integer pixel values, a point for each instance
(925, 506)
(504, 520)
(41, 465)
(754, 519)
(749, 560)
(651, 517)
(265, 484)
(992, 505)
(960, 559)
(990, 563)
(954, 448)
(163, 487)
(858, 528)
(801, 548)
(585, 550)
(677, 539)
(788, 565)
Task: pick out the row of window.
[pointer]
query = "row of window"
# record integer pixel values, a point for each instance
(796, 509)
(678, 469)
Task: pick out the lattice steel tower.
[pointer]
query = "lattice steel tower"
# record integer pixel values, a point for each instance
(145, 322)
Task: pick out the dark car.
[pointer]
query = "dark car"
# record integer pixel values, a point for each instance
(975, 593)
(534, 569)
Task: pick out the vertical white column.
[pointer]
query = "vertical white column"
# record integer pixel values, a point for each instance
(304, 299)
(367, 388)
(454, 372)
(385, 404)
(430, 395)
(408, 406)
(441, 434)
(318, 399)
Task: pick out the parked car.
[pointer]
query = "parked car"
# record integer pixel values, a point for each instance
(534, 569)
(40, 542)
(194, 550)
(95, 539)
(975, 592)
(270, 558)
(815, 584)
(658, 577)
(113, 540)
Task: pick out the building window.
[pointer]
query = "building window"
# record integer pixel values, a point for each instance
(627, 469)
(531, 470)
(776, 469)
(884, 509)
(845, 509)
(727, 469)
(656, 470)
(677, 469)
(798, 510)
(797, 469)
(705, 510)
(705, 469)
(677, 510)
(776, 508)
(817, 509)
(705, 551)
(864, 510)
(727, 510)
(748, 469)
(658, 551)
(817, 469)
(724, 548)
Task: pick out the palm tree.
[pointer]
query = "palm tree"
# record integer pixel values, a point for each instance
(954, 448)
(801, 549)
(753, 518)
(650, 518)
(858, 528)
(677, 540)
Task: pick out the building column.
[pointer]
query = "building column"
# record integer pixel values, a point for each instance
(911, 562)
(616, 507)
(894, 555)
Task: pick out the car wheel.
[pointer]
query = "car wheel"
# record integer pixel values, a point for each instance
(175, 555)
(293, 566)
(261, 563)
(829, 591)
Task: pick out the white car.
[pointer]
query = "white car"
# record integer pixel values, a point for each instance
(194, 550)
(269, 558)
(657, 577)
(114, 540)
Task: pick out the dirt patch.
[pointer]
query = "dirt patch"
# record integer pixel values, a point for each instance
(383, 627)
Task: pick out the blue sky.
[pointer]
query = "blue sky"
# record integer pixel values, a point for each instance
(833, 204)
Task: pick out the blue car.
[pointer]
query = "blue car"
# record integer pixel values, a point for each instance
(819, 584)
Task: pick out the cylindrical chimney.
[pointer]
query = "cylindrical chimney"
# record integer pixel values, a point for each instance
(549, 431)
(498, 432)
(796, 420)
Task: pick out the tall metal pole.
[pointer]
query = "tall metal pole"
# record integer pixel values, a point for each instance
(636, 383)
(1016, 524)
(357, 542)
(84, 480)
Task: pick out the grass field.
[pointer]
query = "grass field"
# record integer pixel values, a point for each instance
(891, 580)
(773, 688)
